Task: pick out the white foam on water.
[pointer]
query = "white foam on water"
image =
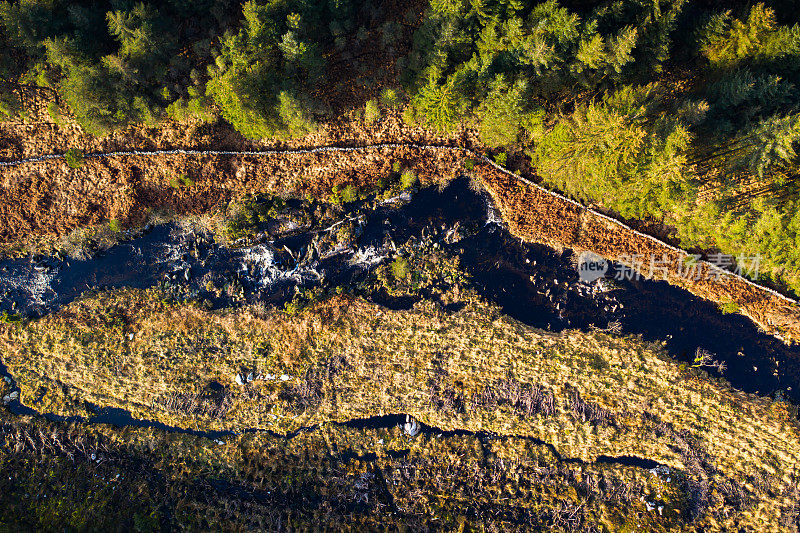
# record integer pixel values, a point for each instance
(492, 213)
(36, 284)
(172, 252)
(260, 261)
(404, 196)
(290, 225)
(367, 257)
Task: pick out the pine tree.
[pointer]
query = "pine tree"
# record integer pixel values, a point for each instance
(622, 152)
(619, 49)
(502, 114)
(28, 23)
(295, 116)
(772, 144)
(726, 41)
(591, 53)
(447, 8)
(441, 105)
(121, 24)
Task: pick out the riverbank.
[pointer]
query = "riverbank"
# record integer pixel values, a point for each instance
(133, 186)
(537, 215)
(586, 395)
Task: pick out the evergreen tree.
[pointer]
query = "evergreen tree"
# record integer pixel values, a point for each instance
(10, 106)
(441, 105)
(503, 115)
(263, 77)
(619, 153)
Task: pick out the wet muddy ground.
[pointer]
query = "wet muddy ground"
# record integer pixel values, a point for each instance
(296, 251)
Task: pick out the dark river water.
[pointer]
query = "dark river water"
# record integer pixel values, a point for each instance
(534, 284)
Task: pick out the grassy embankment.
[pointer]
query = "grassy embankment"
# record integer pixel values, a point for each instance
(588, 395)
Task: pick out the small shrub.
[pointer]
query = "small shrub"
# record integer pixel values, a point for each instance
(182, 180)
(400, 268)
(9, 318)
(349, 194)
(729, 308)
(336, 196)
(344, 195)
(74, 157)
(302, 300)
(10, 106)
(501, 158)
(409, 117)
(292, 308)
(115, 225)
(396, 166)
(371, 111)
(469, 164)
(408, 179)
(382, 184)
(390, 98)
(598, 362)
(248, 215)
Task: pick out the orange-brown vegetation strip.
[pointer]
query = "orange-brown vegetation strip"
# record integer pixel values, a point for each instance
(49, 198)
(39, 135)
(536, 216)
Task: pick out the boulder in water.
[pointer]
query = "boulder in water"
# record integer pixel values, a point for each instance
(411, 427)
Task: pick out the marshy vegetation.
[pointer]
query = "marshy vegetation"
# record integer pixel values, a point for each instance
(730, 457)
